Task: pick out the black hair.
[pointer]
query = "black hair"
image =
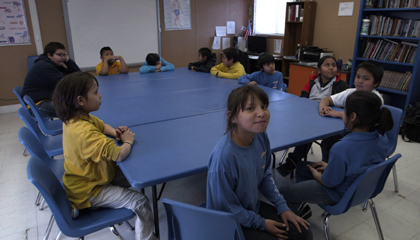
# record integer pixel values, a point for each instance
(265, 58)
(104, 49)
(237, 100)
(231, 53)
(66, 93)
(369, 111)
(322, 60)
(152, 59)
(51, 47)
(205, 52)
(375, 68)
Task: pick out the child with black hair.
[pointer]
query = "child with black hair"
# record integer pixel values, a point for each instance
(327, 83)
(230, 66)
(91, 175)
(110, 64)
(366, 145)
(155, 63)
(206, 60)
(239, 169)
(268, 76)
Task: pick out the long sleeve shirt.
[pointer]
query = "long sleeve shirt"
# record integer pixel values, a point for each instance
(274, 80)
(203, 66)
(235, 177)
(233, 72)
(166, 66)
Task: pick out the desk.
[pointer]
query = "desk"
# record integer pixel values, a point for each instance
(180, 115)
(131, 100)
(170, 150)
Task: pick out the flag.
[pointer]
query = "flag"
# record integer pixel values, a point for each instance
(248, 31)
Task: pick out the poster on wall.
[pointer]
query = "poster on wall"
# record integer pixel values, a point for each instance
(177, 14)
(13, 25)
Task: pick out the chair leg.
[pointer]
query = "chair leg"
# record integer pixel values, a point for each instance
(38, 199)
(116, 233)
(394, 173)
(25, 152)
(281, 159)
(49, 227)
(131, 226)
(375, 217)
(326, 229)
(365, 206)
(41, 205)
(59, 236)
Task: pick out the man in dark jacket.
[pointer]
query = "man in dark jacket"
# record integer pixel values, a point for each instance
(47, 71)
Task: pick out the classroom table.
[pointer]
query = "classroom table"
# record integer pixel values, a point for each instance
(131, 100)
(169, 150)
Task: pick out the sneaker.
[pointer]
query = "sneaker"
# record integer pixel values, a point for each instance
(288, 167)
(304, 211)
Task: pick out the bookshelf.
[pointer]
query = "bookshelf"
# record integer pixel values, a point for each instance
(392, 39)
(299, 28)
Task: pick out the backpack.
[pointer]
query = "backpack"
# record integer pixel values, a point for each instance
(410, 130)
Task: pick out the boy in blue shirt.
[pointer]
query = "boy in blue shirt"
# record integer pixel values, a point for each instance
(155, 63)
(268, 76)
(206, 60)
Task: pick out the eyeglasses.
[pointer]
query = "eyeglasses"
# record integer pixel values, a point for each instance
(61, 54)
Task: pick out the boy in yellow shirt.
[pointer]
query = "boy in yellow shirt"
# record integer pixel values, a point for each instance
(230, 67)
(109, 64)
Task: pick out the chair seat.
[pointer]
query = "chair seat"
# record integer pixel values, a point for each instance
(92, 220)
(53, 145)
(55, 127)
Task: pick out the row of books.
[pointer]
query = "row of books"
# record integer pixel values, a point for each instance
(392, 3)
(396, 80)
(295, 13)
(388, 26)
(387, 50)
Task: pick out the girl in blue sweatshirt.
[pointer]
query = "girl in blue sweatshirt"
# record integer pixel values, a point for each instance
(239, 168)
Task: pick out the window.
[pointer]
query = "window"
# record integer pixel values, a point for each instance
(269, 16)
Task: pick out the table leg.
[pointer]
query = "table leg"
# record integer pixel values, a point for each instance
(155, 210)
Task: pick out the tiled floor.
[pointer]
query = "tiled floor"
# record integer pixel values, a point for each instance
(399, 213)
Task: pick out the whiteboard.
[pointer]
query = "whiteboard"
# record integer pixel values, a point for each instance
(129, 27)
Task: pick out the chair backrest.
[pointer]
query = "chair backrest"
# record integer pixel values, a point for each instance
(41, 120)
(186, 221)
(30, 122)
(244, 60)
(31, 61)
(50, 188)
(366, 186)
(35, 148)
(393, 133)
(18, 92)
(31, 142)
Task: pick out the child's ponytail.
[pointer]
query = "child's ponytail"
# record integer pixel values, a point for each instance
(385, 122)
(370, 112)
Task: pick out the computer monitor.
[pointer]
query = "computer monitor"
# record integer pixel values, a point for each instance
(257, 44)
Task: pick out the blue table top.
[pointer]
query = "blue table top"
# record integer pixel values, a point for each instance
(131, 100)
(168, 150)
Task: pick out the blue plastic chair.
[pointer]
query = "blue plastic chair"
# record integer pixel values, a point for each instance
(31, 61)
(52, 127)
(364, 188)
(187, 221)
(53, 145)
(18, 92)
(88, 221)
(393, 138)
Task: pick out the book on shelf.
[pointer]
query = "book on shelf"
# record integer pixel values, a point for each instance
(392, 3)
(389, 50)
(396, 80)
